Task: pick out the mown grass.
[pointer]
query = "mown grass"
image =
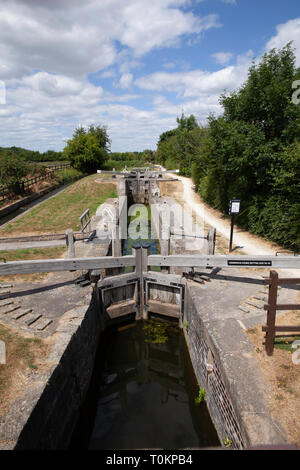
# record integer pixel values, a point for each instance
(67, 175)
(32, 253)
(286, 343)
(52, 252)
(63, 211)
(22, 354)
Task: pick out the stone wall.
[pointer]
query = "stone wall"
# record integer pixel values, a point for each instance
(223, 361)
(54, 409)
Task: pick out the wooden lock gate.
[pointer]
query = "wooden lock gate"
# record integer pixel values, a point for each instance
(143, 291)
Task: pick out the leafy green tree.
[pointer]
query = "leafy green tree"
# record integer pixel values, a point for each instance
(265, 99)
(13, 169)
(180, 147)
(252, 152)
(87, 149)
(186, 123)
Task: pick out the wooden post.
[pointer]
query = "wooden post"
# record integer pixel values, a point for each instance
(137, 251)
(211, 238)
(231, 233)
(141, 254)
(271, 312)
(70, 243)
(165, 235)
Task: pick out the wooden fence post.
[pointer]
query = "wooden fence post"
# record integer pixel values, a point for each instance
(211, 239)
(165, 235)
(70, 243)
(271, 312)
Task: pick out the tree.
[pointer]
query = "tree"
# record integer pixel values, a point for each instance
(186, 123)
(179, 148)
(88, 148)
(265, 99)
(252, 151)
(13, 169)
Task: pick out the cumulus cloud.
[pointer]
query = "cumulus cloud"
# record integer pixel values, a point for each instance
(222, 57)
(287, 32)
(49, 49)
(197, 82)
(126, 80)
(76, 38)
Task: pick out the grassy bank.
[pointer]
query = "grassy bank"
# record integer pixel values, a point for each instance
(63, 211)
(23, 356)
(52, 252)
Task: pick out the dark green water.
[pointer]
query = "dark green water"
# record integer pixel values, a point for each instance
(143, 393)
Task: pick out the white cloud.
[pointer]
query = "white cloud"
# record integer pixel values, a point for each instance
(232, 2)
(287, 32)
(75, 38)
(198, 82)
(49, 47)
(222, 57)
(126, 80)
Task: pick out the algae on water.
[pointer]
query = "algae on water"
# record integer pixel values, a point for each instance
(158, 332)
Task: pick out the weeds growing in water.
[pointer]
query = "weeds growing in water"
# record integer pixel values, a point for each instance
(227, 442)
(158, 332)
(201, 396)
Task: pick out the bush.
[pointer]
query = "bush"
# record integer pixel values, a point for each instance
(277, 219)
(12, 170)
(67, 175)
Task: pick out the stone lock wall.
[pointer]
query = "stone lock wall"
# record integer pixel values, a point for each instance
(223, 361)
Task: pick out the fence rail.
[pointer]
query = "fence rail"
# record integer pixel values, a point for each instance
(193, 261)
(26, 183)
(226, 261)
(56, 265)
(270, 329)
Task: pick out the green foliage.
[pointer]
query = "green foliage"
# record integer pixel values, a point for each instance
(179, 148)
(120, 160)
(227, 442)
(158, 332)
(87, 149)
(32, 155)
(67, 175)
(286, 343)
(13, 168)
(265, 99)
(252, 152)
(201, 397)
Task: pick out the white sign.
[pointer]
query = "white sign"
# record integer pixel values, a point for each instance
(235, 207)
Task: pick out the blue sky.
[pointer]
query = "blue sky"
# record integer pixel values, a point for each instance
(131, 65)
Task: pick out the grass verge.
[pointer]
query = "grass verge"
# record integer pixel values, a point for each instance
(61, 212)
(24, 356)
(30, 254)
(282, 375)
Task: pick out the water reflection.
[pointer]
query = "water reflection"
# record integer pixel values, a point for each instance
(146, 393)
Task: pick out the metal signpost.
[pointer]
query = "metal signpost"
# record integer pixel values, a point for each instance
(234, 208)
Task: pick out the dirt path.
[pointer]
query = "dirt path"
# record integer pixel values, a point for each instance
(243, 242)
(279, 370)
(247, 242)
